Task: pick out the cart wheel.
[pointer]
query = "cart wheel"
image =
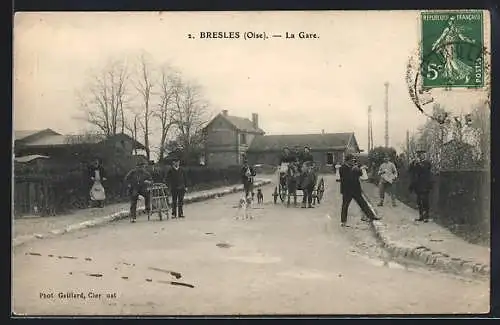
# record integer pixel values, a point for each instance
(321, 190)
(275, 194)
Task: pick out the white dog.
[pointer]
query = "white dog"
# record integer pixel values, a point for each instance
(244, 208)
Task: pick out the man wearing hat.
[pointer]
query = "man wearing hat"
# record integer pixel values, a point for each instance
(350, 188)
(137, 180)
(177, 182)
(307, 156)
(421, 183)
(247, 176)
(286, 156)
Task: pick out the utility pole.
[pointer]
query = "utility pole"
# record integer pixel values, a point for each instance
(370, 131)
(386, 114)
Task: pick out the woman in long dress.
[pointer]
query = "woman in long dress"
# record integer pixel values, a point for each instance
(97, 192)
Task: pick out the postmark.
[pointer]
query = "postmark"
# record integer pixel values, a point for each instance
(451, 49)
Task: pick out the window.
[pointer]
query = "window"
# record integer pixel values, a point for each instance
(243, 138)
(329, 158)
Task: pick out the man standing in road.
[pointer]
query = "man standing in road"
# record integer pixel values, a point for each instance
(421, 183)
(177, 182)
(350, 188)
(388, 174)
(248, 174)
(137, 181)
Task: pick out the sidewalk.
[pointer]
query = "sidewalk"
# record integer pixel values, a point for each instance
(427, 242)
(27, 229)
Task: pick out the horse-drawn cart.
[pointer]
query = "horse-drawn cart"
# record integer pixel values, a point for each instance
(286, 175)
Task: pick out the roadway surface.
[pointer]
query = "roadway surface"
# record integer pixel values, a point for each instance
(284, 261)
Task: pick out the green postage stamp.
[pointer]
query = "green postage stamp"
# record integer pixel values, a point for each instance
(452, 49)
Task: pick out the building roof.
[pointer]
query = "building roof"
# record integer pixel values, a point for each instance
(29, 158)
(322, 141)
(23, 134)
(240, 123)
(62, 140)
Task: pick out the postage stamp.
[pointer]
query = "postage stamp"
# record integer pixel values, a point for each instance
(451, 46)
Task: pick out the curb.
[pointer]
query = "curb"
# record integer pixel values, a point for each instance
(124, 214)
(424, 254)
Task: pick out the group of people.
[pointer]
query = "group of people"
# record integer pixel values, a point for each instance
(297, 156)
(139, 178)
(137, 182)
(420, 184)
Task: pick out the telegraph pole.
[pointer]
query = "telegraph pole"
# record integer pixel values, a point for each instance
(370, 132)
(386, 114)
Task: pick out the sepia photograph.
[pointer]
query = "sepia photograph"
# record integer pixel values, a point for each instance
(251, 163)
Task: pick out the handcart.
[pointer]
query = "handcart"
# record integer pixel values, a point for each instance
(159, 201)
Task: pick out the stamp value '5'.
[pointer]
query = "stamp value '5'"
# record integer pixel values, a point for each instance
(452, 49)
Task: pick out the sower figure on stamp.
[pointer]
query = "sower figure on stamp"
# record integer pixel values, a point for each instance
(247, 177)
(421, 183)
(350, 188)
(138, 180)
(177, 182)
(388, 174)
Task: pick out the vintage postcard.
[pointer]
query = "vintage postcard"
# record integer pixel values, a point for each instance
(251, 163)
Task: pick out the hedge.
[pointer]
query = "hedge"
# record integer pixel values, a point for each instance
(56, 193)
(459, 201)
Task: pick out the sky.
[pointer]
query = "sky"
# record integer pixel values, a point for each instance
(295, 85)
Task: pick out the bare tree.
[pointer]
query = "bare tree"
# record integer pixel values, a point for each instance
(480, 136)
(144, 86)
(190, 115)
(102, 101)
(432, 136)
(164, 113)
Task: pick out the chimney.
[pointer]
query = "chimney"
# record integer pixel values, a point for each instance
(224, 112)
(255, 120)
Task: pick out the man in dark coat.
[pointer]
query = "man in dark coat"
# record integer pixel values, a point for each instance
(137, 181)
(421, 183)
(306, 156)
(247, 177)
(286, 156)
(350, 188)
(177, 182)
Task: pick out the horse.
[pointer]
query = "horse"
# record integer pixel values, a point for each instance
(292, 182)
(309, 179)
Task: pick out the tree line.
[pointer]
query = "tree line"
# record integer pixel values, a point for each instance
(452, 141)
(145, 100)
